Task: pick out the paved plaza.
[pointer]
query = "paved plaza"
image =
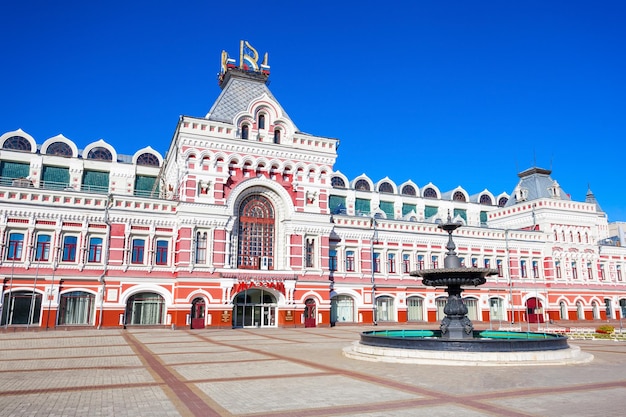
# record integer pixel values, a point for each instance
(281, 372)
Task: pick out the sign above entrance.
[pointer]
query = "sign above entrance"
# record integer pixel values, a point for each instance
(248, 60)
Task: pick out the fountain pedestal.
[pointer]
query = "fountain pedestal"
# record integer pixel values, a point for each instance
(456, 325)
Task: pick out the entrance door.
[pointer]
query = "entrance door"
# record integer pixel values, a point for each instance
(254, 307)
(197, 313)
(534, 310)
(309, 313)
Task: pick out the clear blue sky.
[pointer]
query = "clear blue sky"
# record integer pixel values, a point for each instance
(462, 93)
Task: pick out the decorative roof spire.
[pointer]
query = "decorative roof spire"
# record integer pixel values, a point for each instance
(591, 198)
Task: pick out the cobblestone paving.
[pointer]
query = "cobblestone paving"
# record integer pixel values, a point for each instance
(281, 372)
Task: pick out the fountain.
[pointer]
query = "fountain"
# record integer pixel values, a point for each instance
(456, 342)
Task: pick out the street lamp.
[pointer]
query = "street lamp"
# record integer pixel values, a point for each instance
(374, 238)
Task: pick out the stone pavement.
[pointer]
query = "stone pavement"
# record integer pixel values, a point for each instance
(281, 372)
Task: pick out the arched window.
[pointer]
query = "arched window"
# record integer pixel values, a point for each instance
(59, 149)
(430, 193)
(148, 159)
(384, 308)
(25, 308)
(415, 309)
(458, 196)
(337, 182)
(261, 121)
(385, 187)
(502, 201)
(17, 143)
(256, 233)
(145, 308)
(77, 307)
(408, 190)
(562, 310)
(276, 135)
(244, 132)
(345, 308)
(496, 309)
(486, 200)
(362, 185)
(580, 311)
(100, 153)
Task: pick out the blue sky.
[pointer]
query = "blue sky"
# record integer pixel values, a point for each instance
(455, 93)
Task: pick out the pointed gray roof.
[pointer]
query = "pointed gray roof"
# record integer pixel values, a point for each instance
(536, 183)
(591, 198)
(239, 88)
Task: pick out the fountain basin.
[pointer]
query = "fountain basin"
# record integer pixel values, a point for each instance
(482, 341)
(487, 348)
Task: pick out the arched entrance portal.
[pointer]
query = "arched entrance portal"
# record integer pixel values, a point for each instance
(310, 313)
(198, 309)
(534, 310)
(254, 307)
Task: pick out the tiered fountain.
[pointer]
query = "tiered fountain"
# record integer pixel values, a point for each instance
(456, 342)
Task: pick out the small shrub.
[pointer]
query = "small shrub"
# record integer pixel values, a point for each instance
(606, 329)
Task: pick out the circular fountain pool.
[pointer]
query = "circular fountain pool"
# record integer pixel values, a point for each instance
(482, 341)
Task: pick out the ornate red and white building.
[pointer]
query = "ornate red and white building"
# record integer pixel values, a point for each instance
(246, 222)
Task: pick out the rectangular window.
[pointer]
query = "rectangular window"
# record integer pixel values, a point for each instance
(406, 263)
(16, 243)
(462, 260)
(332, 260)
(574, 271)
(362, 206)
(407, 208)
(523, 271)
(499, 267)
(474, 262)
(462, 213)
(161, 252)
(310, 253)
(483, 217)
(13, 170)
(430, 211)
(69, 249)
(601, 273)
(589, 271)
(95, 250)
(557, 267)
(618, 270)
(487, 263)
(95, 182)
(55, 178)
(138, 248)
(201, 246)
(391, 263)
(350, 261)
(376, 262)
(42, 253)
(387, 207)
(420, 262)
(146, 186)
(337, 204)
(535, 269)
(434, 261)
